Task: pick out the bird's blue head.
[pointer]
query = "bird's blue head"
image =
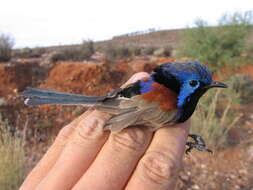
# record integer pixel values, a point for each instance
(189, 80)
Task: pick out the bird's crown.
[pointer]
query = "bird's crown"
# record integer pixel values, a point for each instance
(185, 71)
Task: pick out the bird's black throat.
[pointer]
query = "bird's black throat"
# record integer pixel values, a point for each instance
(189, 105)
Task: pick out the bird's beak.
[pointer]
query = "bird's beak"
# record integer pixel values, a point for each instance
(216, 84)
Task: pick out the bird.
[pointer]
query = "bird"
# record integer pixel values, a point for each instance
(168, 96)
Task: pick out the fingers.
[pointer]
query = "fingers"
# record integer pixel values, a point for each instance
(116, 161)
(49, 159)
(158, 168)
(80, 151)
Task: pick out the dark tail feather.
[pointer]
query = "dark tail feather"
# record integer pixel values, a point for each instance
(36, 96)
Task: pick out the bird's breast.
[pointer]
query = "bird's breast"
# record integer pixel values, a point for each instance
(166, 98)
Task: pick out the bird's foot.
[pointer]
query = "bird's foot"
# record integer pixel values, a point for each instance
(198, 143)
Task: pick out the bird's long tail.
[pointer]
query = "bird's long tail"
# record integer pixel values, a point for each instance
(36, 96)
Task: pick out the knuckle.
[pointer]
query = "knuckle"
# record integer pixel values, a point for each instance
(141, 75)
(158, 167)
(133, 139)
(89, 129)
(64, 134)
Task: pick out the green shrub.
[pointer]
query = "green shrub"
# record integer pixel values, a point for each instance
(123, 52)
(163, 51)
(6, 45)
(12, 158)
(119, 52)
(148, 50)
(87, 50)
(22, 53)
(57, 56)
(110, 53)
(217, 45)
(135, 51)
(80, 53)
(73, 54)
(115, 52)
(29, 52)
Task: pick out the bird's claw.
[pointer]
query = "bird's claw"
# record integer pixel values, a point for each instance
(198, 143)
(199, 147)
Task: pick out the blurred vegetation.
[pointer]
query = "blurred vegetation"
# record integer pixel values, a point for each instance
(12, 158)
(6, 45)
(112, 52)
(120, 52)
(29, 52)
(148, 50)
(219, 45)
(215, 114)
(163, 51)
(80, 53)
(243, 84)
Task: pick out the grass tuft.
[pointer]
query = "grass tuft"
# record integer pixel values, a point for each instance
(215, 116)
(12, 158)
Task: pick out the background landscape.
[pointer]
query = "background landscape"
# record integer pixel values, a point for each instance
(223, 117)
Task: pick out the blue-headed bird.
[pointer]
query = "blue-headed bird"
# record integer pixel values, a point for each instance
(167, 97)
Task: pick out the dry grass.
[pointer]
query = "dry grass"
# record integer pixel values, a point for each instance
(214, 116)
(12, 158)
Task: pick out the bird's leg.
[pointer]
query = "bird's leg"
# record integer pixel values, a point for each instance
(197, 138)
(198, 143)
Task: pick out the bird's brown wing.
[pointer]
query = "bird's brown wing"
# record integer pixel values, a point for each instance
(135, 111)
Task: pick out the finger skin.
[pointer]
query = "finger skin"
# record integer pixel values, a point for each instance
(78, 154)
(136, 77)
(158, 168)
(49, 159)
(116, 161)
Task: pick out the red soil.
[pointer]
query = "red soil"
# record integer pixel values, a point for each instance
(14, 78)
(77, 77)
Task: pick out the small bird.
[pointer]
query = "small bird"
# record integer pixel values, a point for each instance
(168, 96)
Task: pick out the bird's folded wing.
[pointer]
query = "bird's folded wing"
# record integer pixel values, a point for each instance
(135, 111)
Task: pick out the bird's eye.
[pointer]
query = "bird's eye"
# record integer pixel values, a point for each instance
(193, 83)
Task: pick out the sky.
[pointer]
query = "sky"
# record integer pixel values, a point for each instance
(34, 23)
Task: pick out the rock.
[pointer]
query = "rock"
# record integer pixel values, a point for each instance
(3, 102)
(243, 172)
(250, 151)
(185, 177)
(195, 186)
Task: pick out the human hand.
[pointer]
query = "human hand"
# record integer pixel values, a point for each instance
(83, 156)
